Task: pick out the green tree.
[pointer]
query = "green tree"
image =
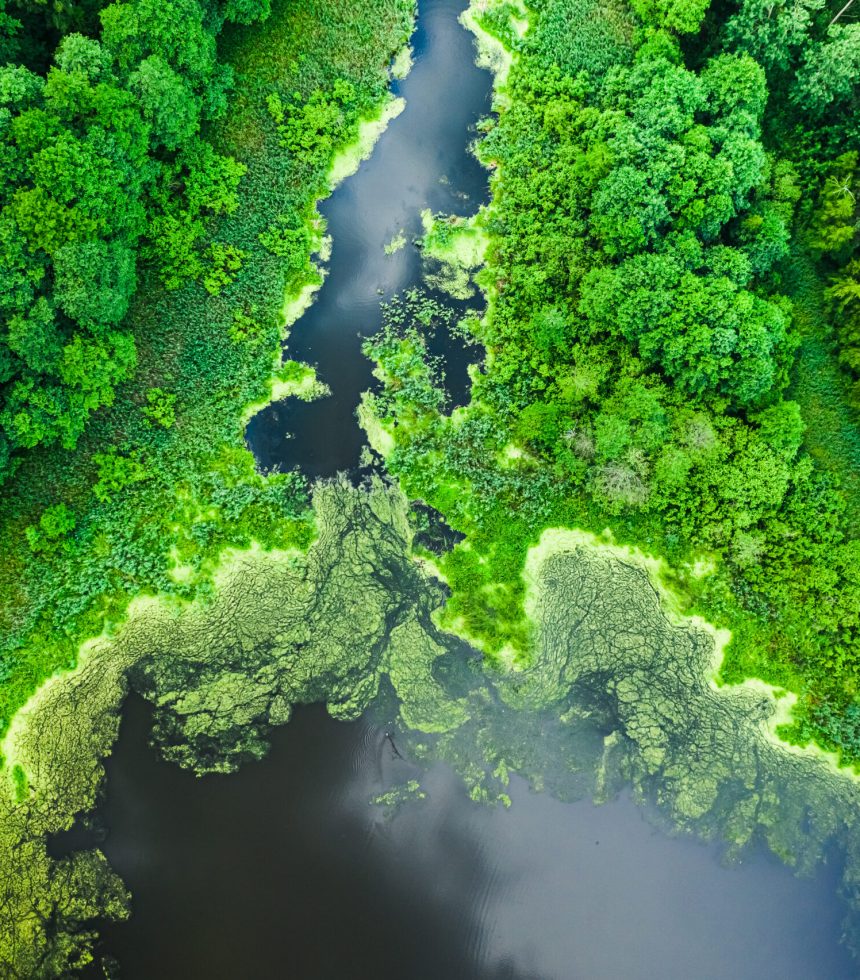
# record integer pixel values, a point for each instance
(94, 282)
(116, 472)
(55, 524)
(167, 102)
(830, 70)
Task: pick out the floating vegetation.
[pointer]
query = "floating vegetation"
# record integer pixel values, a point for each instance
(617, 691)
(453, 249)
(396, 243)
(402, 64)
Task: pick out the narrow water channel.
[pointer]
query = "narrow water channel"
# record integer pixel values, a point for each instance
(286, 870)
(422, 161)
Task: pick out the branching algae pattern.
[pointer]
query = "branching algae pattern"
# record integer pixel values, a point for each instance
(280, 628)
(613, 689)
(617, 691)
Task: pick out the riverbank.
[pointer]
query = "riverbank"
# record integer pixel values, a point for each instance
(576, 421)
(196, 497)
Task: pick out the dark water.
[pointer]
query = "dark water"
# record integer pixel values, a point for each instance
(285, 870)
(422, 161)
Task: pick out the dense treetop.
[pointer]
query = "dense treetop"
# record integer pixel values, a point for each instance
(103, 168)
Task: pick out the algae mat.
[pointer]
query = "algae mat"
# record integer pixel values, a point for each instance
(618, 692)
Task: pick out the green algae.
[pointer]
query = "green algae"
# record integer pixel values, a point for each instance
(496, 53)
(277, 629)
(292, 379)
(618, 691)
(285, 629)
(378, 435)
(425, 704)
(48, 907)
(392, 800)
(350, 158)
(396, 244)
(402, 64)
(453, 249)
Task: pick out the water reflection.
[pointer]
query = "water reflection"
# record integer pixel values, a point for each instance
(285, 870)
(422, 161)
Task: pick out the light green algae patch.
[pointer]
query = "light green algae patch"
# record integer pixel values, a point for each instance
(299, 299)
(783, 716)
(179, 570)
(413, 653)
(459, 240)
(394, 799)
(397, 242)
(298, 380)
(496, 53)
(492, 54)
(521, 24)
(293, 379)
(560, 540)
(349, 159)
(279, 628)
(453, 249)
(608, 638)
(55, 742)
(380, 438)
(402, 64)
(781, 702)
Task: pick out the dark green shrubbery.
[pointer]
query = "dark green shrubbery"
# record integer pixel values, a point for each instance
(103, 169)
(641, 342)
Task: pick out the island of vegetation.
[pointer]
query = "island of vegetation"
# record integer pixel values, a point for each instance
(655, 479)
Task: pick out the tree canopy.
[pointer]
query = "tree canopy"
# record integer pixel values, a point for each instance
(103, 169)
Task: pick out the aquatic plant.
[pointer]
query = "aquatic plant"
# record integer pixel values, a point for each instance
(619, 689)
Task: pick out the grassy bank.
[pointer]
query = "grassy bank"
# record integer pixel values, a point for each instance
(155, 500)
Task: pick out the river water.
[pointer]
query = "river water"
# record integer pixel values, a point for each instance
(422, 161)
(285, 869)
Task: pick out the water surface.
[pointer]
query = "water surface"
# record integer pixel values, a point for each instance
(285, 869)
(422, 161)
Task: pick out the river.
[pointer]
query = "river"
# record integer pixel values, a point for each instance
(422, 161)
(285, 869)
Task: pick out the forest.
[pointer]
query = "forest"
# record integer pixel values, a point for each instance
(667, 359)
(672, 280)
(103, 167)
